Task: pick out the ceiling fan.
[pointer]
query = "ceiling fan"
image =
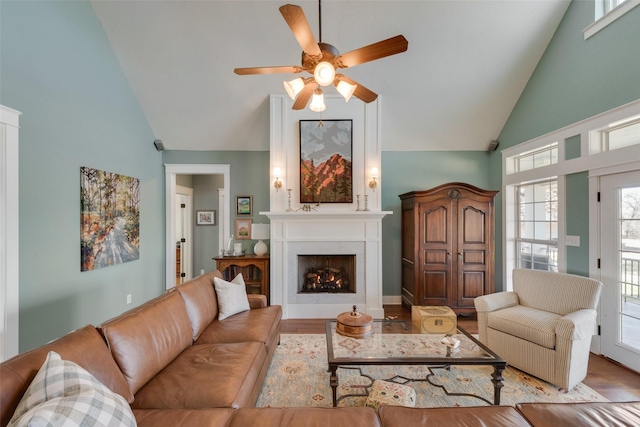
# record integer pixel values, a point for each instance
(322, 60)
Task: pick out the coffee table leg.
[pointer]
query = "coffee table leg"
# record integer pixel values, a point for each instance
(333, 381)
(496, 379)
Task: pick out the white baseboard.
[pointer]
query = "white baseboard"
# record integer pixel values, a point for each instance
(392, 300)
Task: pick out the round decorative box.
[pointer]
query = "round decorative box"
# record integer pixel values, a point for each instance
(354, 324)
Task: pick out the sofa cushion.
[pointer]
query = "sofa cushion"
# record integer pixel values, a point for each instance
(305, 417)
(206, 376)
(83, 346)
(604, 414)
(200, 300)
(146, 339)
(530, 324)
(232, 296)
(494, 416)
(260, 325)
(209, 417)
(64, 394)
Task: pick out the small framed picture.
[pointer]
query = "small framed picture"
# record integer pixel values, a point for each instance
(243, 229)
(205, 217)
(244, 205)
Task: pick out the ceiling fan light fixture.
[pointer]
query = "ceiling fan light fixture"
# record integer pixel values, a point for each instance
(317, 102)
(345, 89)
(293, 87)
(324, 73)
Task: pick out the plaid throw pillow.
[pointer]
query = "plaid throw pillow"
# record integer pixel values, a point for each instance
(232, 296)
(64, 394)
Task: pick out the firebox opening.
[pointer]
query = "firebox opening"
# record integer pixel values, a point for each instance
(327, 273)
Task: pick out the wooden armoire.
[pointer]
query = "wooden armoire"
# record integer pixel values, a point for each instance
(447, 246)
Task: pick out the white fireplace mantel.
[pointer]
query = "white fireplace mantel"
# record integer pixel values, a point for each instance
(326, 233)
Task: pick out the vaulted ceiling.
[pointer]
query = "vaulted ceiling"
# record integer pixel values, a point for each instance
(466, 66)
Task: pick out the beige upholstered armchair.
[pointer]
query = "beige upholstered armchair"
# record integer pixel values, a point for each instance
(544, 326)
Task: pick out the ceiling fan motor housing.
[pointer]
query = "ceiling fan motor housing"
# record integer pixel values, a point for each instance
(329, 54)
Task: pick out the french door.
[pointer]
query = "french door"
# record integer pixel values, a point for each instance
(620, 267)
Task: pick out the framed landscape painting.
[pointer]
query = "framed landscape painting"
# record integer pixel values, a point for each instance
(109, 218)
(325, 161)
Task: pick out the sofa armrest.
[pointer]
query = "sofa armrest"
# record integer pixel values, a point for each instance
(577, 325)
(257, 301)
(497, 301)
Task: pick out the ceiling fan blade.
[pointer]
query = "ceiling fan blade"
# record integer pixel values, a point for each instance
(388, 47)
(361, 92)
(267, 70)
(304, 96)
(295, 17)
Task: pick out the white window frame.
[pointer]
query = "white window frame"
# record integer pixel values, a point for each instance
(619, 159)
(602, 21)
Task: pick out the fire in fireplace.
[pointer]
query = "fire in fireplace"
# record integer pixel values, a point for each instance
(327, 273)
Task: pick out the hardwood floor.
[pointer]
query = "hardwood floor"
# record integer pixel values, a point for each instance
(613, 381)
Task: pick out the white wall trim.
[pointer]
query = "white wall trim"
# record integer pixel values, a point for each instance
(171, 170)
(9, 233)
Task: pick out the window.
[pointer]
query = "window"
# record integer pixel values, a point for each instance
(540, 157)
(606, 13)
(616, 135)
(537, 226)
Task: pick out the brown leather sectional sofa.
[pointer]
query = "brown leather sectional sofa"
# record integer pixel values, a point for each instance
(177, 365)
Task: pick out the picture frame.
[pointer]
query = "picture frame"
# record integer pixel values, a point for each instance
(326, 154)
(243, 229)
(206, 217)
(244, 205)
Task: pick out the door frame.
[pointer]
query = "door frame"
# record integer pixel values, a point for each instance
(171, 170)
(609, 345)
(595, 232)
(9, 233)
(186, 256)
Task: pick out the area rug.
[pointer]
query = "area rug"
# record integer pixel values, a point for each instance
(298, 377)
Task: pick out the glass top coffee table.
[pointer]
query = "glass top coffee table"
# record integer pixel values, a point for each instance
(388, 345)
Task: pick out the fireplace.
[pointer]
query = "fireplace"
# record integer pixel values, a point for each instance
(327, 273)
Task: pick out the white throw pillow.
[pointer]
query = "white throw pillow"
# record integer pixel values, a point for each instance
(64, 394)
(232, 296)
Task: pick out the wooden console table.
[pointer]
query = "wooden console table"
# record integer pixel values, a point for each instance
(254, 269)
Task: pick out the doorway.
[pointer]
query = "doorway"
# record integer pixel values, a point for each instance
(171, 171)
(620, 267)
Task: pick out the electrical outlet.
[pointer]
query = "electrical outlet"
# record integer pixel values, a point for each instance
(202, 272)
(128, 298)
(572, 241)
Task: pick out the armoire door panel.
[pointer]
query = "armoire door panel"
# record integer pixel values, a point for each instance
(473, 285)
(435, 229)
(473, 257)
(436, 256)
(435, 285)
(473, 225)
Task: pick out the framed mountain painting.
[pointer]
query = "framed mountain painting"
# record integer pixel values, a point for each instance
(326, 148)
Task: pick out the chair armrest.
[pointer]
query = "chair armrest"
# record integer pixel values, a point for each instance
(257, 300)
(497, 301)
(577, 325)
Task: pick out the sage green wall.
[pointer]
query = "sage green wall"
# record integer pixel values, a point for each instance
(57, 67)
(404, 171)
(574, 80)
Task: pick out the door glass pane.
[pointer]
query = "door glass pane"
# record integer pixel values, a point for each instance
(629, 226)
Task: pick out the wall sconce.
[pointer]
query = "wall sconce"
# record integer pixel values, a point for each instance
(277, 184)
(374, 174)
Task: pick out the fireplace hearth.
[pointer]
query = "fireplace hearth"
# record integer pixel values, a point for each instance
(327, 273)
